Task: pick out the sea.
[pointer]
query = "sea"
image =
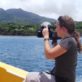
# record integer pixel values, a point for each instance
(27, 53)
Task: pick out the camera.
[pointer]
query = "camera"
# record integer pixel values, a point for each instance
(50, 28)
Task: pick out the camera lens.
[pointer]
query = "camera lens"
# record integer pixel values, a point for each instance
(45, 24)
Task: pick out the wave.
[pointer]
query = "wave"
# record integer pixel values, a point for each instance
(79, 79)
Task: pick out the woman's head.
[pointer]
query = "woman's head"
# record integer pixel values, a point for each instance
(67, 23)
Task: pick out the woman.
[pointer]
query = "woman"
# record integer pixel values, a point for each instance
(64, 53)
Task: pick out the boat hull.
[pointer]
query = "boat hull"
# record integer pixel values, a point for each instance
(10, 73)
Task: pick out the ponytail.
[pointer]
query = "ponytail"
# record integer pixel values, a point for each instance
(76, 35)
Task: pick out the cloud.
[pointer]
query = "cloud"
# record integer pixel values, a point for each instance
(54, 8)
(48, 8)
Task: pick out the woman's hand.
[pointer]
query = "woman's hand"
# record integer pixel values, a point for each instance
(45, 33)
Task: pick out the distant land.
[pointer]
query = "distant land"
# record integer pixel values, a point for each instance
(20, 22)
(21, 16)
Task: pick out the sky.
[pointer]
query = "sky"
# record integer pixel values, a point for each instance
(48, 8)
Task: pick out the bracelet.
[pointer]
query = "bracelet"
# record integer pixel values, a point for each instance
(46, 39)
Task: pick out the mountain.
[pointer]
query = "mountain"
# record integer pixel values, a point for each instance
(21, 16)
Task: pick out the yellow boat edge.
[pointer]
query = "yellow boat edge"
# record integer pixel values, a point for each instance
(9, 73)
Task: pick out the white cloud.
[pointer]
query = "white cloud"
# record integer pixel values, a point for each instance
(48, 8)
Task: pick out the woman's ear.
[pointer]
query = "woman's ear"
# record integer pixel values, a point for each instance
(64, 29)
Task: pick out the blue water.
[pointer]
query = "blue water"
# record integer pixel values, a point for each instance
(28, 53)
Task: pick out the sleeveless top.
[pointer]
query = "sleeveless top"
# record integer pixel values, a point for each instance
(65, 64)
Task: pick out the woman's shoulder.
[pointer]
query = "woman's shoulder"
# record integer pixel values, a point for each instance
(68, 42)
(69, 39)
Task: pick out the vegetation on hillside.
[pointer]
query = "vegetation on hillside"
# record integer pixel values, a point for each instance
(25, 29)
(17, 29)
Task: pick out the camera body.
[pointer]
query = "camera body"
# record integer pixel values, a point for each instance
(42, 26)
